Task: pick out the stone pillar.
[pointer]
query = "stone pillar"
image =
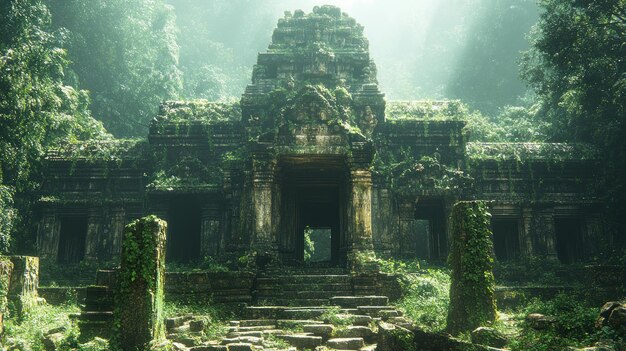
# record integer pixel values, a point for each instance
(472, 302)
(92, 243)
(6, 268)
(264, 240)
(118, 217)
(406, 235)
(545, 233)
(526, 240)
(24, 283)
(384, 227)
(211, 230)
(360, 221)
(48, 233)
(140, 289)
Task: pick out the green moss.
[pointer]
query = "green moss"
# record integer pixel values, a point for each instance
(521, 152)
(447, 110)
(99, 150)
(472, 288)
(199, 110)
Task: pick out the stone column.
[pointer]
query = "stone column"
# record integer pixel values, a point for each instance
(406, 239)
(526, 240)
(118, 216)
(140, 289)
(264, 240)
(48, 233)
(360, 221)
(92, 243)
(210, 231)
(547, 235)
(6, 268)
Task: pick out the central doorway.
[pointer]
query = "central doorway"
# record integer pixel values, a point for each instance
(313, 202)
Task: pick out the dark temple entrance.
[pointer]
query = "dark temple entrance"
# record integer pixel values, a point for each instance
(183, 231)
(313, 205)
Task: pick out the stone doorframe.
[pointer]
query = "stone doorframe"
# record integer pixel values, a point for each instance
(266, 200)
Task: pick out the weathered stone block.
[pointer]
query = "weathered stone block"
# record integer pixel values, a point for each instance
(24, 283)
(345, 343)
(139, 295)
(489, 337)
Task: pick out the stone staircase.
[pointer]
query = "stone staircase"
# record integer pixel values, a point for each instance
(306, 310)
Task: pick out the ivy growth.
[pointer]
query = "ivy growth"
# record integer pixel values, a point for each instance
(472, 288)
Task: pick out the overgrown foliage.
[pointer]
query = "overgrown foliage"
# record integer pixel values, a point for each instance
(125, 54)
(28, 333)
(37, 108)
(573, 325)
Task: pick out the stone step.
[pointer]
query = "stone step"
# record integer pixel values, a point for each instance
(295, 302)
(387, 314)
(256, 322)
(302, 341)
(373, 311)
(253, 328)
(236, 334)
(294, 323)
(303, 313)
(243, 339)
(304, 294)
(354, 331)
(306, 279)
(354, 319)
(323, 330)
(280, 287)
(355, 301)
(209, 348)
(345, 343)
(242, 347)
(263, 312)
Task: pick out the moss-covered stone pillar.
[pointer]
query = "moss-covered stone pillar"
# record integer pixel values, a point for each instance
(407, 236)
(472, 302)
(139, 294)
(526, 243)
(23, 294)
(6, 268)
(92, 238)
(48, 233)
(360, 221)
(264, 240)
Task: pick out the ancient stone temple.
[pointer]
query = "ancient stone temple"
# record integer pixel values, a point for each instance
(313, 145)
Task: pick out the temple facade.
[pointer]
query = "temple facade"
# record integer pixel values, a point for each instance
(314, 146)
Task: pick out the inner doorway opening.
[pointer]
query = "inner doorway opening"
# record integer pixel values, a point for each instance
(183, 230)
(569, 239)
(505, 238)
(312, 210)
(318, 245)
(72, 239)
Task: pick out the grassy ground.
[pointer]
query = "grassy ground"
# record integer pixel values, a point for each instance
(426, 300)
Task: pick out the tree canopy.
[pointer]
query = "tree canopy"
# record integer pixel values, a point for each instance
(577, 69)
